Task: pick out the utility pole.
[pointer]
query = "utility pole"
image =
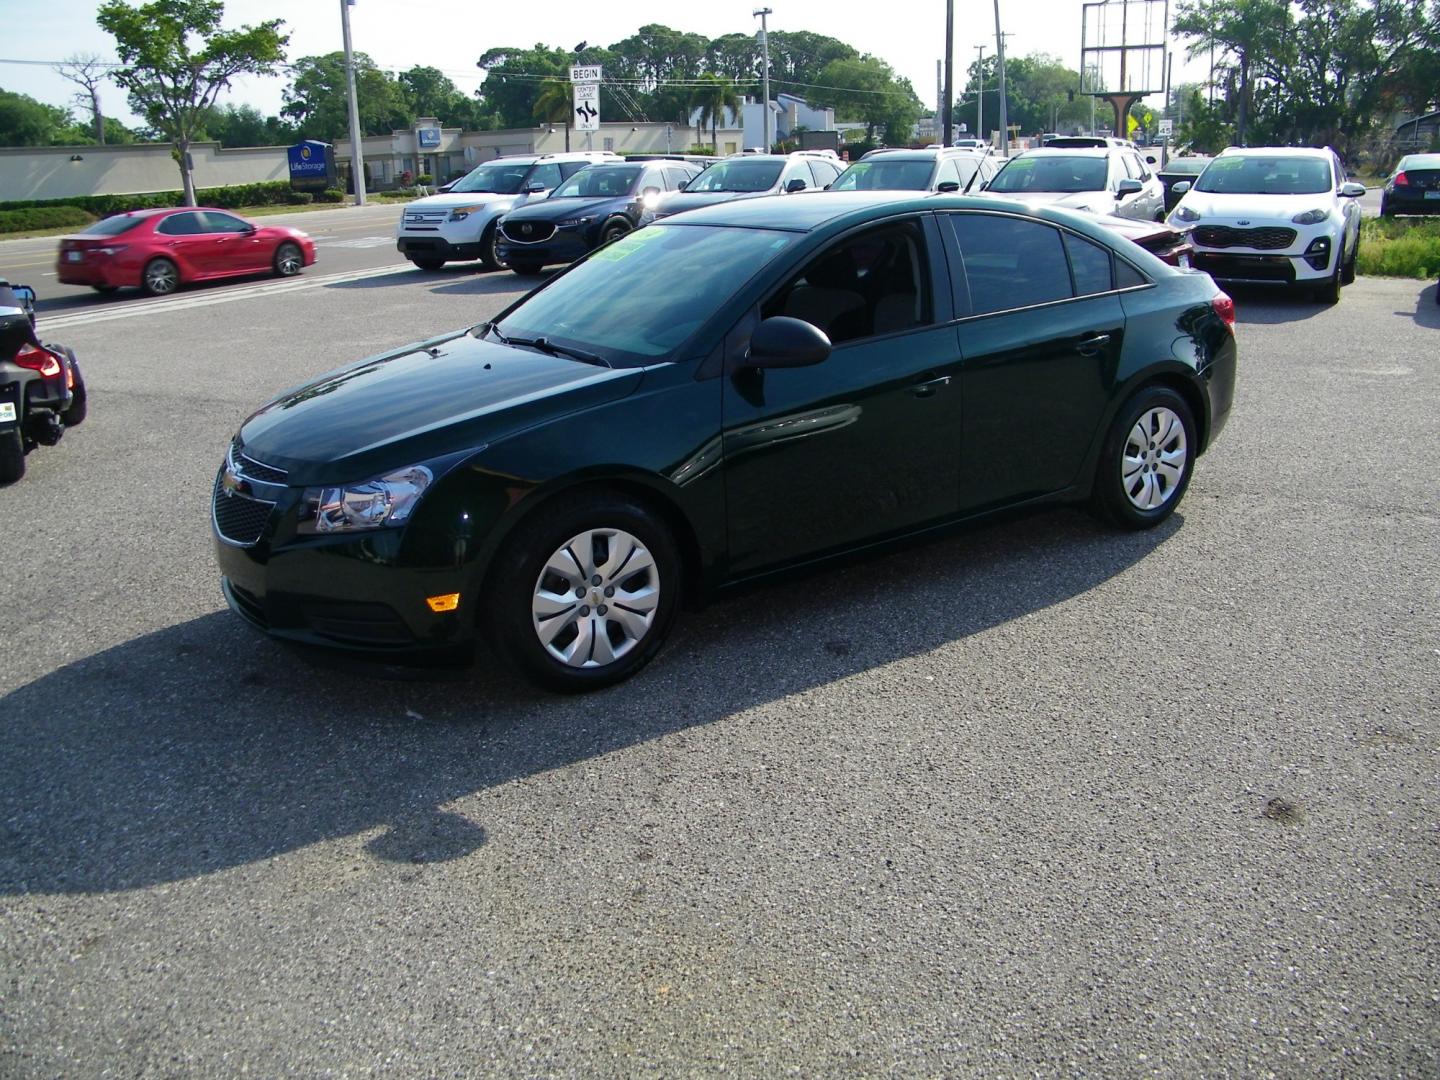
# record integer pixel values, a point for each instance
(980, 97)
(357, 156)
(1000, 55)
(765, 72)
(948, 102)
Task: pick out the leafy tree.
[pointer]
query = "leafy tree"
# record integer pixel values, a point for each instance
(1202, 126)
(1252, 34)
(798, 59)
(713, 97)
(27, 122)
(512, 81)
(245, 125)
(177, 59)
(88, 72)
(318, 99)
(429, 92)
(554, 103)
(736, 57)
(866, 89)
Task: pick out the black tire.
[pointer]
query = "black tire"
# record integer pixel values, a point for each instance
(12, 457)
(289, 260)
(488, 257)
(106, 290)
(1329, 293)
(528, 269)
(79, 408)
(613, 232)
(428, 264)
(161, 277)
(1385, 208)
(517, 579)
(1116, 480)
(1347, 270)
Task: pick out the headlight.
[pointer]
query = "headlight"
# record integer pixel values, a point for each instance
(1311, 217)
(1184, 213)
(460, 213)
(575, 222)
(372, 504)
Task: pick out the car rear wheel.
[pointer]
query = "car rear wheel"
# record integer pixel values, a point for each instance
(289, 260)
(488, 256)
(585, 592)
(1147, 459)
(161, 277)
(12, 457)
(613, 232)
(429, 264)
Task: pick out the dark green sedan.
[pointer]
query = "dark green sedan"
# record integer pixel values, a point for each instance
(734, 393)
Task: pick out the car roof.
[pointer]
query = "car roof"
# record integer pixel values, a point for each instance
(929, 153)
(1069, 151)
(1321, 152)
(1420, 161)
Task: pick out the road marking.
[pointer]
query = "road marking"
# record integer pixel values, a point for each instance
(359, 242)
(186, 302)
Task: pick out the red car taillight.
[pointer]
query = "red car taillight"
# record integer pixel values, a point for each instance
(1401, 180)
(1225, 308)
(41, 360)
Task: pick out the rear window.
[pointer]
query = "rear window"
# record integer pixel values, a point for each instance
(112, 226)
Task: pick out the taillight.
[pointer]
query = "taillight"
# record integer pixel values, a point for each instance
(41, 360)
(1401, 180)
(1225, 308)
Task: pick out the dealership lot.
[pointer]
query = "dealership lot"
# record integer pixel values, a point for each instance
(1041, 798)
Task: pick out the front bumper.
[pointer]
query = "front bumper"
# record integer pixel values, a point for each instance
(435, 246)
(1308, 258)
(564, 246)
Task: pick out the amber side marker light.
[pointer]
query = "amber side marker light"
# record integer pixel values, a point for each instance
(448, 602)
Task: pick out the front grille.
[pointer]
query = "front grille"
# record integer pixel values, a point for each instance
(251, 469)
(428, 220)
(1264, 239)
(357, 622)
(238, 518)
(528, 232)
(1276, 268)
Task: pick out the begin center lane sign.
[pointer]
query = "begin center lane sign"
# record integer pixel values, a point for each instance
(587, 107)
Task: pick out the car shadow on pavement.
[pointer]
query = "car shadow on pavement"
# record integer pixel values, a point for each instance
(1273, 306)
(1427, 307)
(205, 746)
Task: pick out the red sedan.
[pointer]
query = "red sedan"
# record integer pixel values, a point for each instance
(160, 250)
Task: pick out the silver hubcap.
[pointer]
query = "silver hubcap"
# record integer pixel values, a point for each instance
(1153, 462)
(160, 278)
(596, 598)
(289, 261)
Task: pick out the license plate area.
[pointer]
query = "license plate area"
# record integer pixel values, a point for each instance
(74, 256)
(1432, 194)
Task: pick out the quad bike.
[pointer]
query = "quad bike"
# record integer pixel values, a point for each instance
(41, 389)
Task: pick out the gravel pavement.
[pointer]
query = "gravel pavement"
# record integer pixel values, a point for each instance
(1042, 799)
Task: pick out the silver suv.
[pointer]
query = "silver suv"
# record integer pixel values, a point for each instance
(937, 169)
(742, 176)
(1102, 181)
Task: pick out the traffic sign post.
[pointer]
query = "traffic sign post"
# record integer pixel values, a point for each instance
(587, 107)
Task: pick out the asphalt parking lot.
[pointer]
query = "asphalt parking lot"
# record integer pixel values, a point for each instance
(1040, 799)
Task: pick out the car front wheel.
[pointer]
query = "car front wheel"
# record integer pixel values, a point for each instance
(585, 592)
(160, 278)
(1147, 459)
(289, 260)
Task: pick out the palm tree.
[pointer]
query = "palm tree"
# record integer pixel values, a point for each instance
(713, 97)
(554, 103)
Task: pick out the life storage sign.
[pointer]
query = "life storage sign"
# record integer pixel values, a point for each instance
(312, 166)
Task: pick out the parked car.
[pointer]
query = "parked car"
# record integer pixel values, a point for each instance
(1101, 181)
(1165, 242)
(595, 206)
(1275, 216)
(1076, 142)
(460, 224)
(938, 169)
(1179, 169)
(738, 392)
(1414, 186)
(161, 250)
(741, 176)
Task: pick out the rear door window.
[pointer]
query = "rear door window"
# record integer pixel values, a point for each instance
(1089, 265)
(181, 225)
(1009, 263)
(548, 176)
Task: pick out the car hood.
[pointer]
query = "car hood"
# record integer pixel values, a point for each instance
(560, 209)
(1257, 209)
(1096, 202)
(688, 200)
(420, 402)
(454, 198)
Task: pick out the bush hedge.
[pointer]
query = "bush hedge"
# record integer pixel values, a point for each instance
(35, 218)
(231, 197)
(1395, 248)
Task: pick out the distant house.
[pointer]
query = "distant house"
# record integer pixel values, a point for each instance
(788, 113)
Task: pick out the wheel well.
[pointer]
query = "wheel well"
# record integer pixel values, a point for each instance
(667, 511)
(1193, 398)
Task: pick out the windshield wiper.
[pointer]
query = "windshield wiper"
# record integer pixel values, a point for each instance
(490, 328)
(545, 345)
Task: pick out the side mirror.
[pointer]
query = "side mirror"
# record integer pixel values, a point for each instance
(1149, 159)
(1351, 190)
(783, 342)
(534, 188)
(948, 185)
(1128, 187)
(24, 293)
(443, 188)
(796, 185)
(249, 229)
(1180, 188)
(683, 185)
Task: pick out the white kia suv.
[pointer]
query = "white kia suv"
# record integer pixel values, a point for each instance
(1274, 215)
(460, 224)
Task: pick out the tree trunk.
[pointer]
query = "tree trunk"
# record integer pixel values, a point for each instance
(567, 134)
(715, 134)
(99, 117)
(187, 181)
(1244, 94)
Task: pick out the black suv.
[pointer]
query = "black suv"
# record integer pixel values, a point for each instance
(596, 205)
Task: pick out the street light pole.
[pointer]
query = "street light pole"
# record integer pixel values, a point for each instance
(357, 156)
(1000, 56)
(765, 72)
(980, 97)
(949, 103)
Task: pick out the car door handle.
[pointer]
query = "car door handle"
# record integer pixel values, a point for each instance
(1093, 344)
(929, 385)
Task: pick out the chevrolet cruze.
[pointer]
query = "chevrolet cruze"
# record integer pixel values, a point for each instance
(735, 393)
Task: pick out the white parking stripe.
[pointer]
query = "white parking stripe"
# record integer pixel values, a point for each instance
(184, 301)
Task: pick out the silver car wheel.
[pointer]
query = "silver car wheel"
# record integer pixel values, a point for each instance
(1153, 462)
(289, 261)
(595, 599)
(161, 277)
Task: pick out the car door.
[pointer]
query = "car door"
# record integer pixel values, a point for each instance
(1152, 199)
(867, 442)
(1041, 343)
(235, 246)
(184, 239)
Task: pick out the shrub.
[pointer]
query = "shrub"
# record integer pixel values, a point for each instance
(1394, 248)
(425, 178)
(43, 217)
(330, 195)
(299, 198)
(264, 193)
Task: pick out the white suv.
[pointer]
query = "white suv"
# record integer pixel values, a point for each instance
(1275, 215)
(460, 224)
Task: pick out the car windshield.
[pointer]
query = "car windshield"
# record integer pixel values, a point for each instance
(1186, 166)
(111, 226)
(738, 176)
(599, 181)
(1057, 173)
(495, 178)
(1265, 176)
(641, 297)
(885, 176)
